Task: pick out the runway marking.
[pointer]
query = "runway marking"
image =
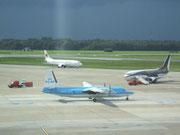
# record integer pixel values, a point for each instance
(30, 103)
(170, 101)
(44, 130)
(15, 103)
(160, 101)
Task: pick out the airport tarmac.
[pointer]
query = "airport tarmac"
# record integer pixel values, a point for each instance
(153, 109)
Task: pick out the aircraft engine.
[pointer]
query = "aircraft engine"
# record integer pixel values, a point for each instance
(61, 66)
(152, 79)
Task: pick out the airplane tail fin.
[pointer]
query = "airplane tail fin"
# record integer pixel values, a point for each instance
(166, 64)
(50, 79)
(46, 55)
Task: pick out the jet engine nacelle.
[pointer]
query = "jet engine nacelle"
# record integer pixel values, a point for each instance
(61, 65)
(152, 79)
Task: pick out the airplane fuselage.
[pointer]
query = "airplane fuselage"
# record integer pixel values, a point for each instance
(79, 92)
(61, 63)
(71, 63)
(149, 73)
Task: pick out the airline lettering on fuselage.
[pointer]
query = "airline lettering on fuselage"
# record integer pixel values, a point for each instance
(50, 81)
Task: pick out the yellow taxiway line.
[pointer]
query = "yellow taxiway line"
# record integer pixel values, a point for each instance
(44, 130)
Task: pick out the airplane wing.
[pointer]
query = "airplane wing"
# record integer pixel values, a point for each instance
(142, 80)
(95, 90)
(86, 84)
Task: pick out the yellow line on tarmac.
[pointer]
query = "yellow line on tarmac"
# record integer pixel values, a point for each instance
(44, 130)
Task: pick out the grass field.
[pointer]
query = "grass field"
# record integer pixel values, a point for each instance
(88, 52)
(118, 64)
(115, 54)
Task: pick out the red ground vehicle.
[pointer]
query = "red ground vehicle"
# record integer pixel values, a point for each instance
(134, 82)
(20, 85)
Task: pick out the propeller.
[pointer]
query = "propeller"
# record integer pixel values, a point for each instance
(109, 89)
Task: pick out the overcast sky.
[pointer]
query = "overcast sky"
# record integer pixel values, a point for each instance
(89, 19)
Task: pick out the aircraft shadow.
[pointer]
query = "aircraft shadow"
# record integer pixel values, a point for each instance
(101, 100)
(168, 82)
(107, 102)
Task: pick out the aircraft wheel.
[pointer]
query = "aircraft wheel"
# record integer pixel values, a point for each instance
(127, 98)
(154, 81)
(94, 100)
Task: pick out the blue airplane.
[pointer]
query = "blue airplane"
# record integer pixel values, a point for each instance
(88, 90)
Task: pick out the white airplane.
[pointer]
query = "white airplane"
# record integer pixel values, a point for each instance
(148, 75)
(61, 63)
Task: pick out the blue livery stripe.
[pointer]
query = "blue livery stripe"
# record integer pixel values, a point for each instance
(79, 90)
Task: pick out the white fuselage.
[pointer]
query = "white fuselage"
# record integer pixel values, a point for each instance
(60, 63)
(147, 73)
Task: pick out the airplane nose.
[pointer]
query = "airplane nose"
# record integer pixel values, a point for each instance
(80, 64)
(126, 77)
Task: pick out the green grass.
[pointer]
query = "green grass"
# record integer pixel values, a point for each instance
(130, 65)
(115, 54)
(22, 61)
(104, 64)
(86, 52)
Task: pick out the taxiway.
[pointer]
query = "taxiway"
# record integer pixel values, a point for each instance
(153, 109)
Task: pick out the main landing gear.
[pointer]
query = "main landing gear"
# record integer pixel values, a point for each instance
(127, 98)
(94, 99)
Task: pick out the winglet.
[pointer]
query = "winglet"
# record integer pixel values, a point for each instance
(166, 64)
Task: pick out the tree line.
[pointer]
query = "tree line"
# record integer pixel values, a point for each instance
(48, 43)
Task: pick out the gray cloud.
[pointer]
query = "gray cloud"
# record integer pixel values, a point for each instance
(27, 3)
(89, 3)
(86, 19)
